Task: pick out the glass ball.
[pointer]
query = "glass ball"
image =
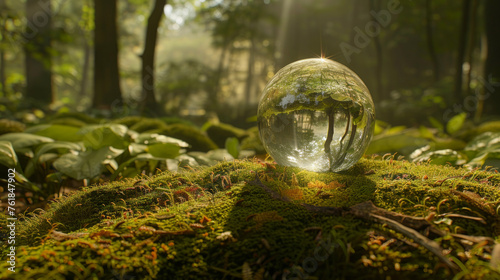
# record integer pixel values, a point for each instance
(316, 114)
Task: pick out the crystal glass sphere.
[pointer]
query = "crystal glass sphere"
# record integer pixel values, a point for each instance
(316, 114)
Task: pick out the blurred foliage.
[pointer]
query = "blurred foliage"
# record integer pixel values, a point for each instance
(68, 150)
(462, 144)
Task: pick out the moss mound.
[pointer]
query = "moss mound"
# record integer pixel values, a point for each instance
(73, 116)
(219, 132)
(147, 124)
(192, 135)
(129, 121)
(9, 126)
(218, 223)
(252, 142)
(176, 120)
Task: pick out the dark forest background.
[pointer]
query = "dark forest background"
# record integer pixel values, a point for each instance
(423, 61)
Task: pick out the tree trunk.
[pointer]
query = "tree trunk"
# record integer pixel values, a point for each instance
(213, 95)
(38, 61)
(282, 38)
(470, 47)
(430, 40)
(378, 50)
(492, 69)
(250, 76)
(85, 70)
(148, 56)
(462, 43)
(107, 92)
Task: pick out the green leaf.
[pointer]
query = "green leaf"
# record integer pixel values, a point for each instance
(136, 149)
(441, 157)
(85, 165)
(8, 156)
(20, 141)
(456, 123)
(425, 132)
(60, 147)
(164, 150)
(153, 138)
(142, 158)
(99, 136)
(436, 124)
(403, 143)
(57, 132)
(233, 146)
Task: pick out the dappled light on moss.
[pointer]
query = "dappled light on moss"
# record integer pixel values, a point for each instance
(208, 222)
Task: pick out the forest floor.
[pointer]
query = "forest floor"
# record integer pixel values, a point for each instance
(249, 219)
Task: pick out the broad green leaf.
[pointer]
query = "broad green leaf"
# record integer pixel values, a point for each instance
(47, 157)
(142, 158)
(57, 132)
(118, 129)
(136, 149)
(482, 142)
(219, 155)
(441, 157)
(456, 123)
(202, 158)
(85, 165)
(59, 146)
(403, 143)
(153, 138)
(395, 130)
(105, 136)
(164, 150)
(8, 156)
(425, 132)
(233, 146)
(20, 141)
(436, 124)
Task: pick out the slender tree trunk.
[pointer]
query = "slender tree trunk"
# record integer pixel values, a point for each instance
(250, 75)
(462, 43)
(213, 96)
(375, 5)
(492, 69)
(430, 39)
(38, 60)
(107, 91)
(85, 70)
(470, 47)
(148, 58)
(282, 33)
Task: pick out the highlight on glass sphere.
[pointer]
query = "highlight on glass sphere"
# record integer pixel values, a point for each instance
(316, 114)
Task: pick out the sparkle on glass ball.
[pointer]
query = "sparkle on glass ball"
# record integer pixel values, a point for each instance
(316, 114)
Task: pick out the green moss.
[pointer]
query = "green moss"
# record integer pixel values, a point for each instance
(176, 225)
(129, 120)
(176, 120)
(220, 132)
(192, 135)
(9, 126)
(75, 116)
(69, 121)
(252, 142)
(147, 124)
